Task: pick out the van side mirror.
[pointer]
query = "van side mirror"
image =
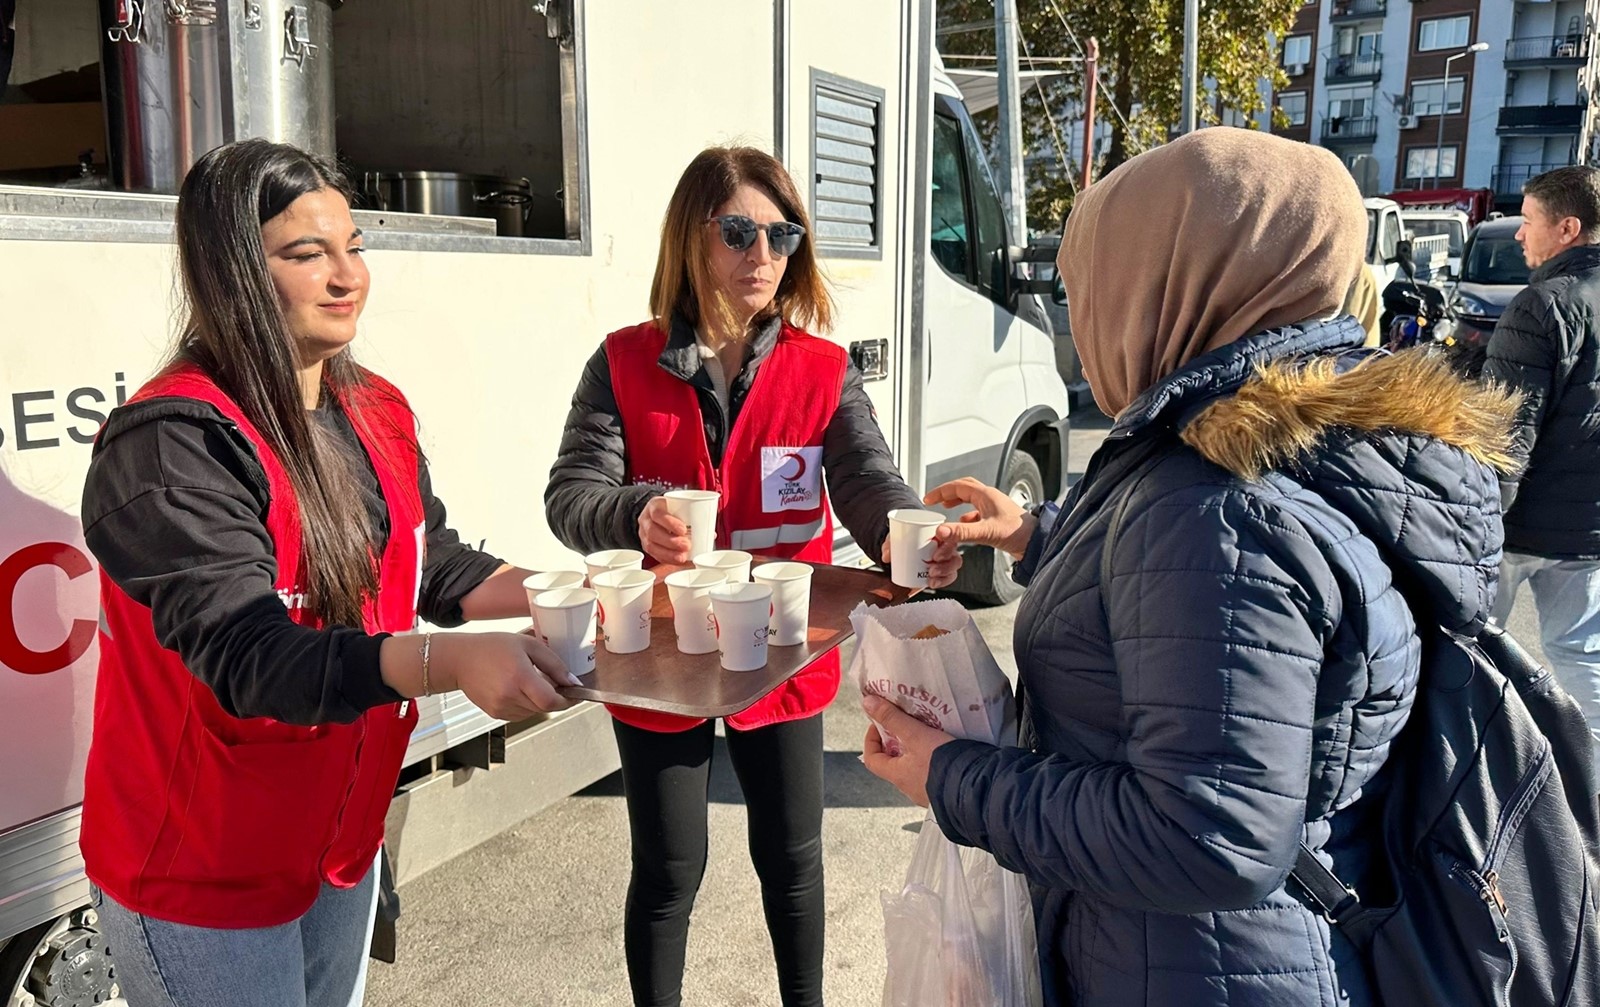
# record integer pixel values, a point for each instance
(1058, 292)
(1042, 252)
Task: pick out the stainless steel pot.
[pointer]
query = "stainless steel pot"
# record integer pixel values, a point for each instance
(185, 76)
(452, 194)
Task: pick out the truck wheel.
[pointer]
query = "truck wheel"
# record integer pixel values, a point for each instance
(62, 963)
(985, 576)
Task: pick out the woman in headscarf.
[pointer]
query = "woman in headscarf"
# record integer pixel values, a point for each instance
(1219, 638)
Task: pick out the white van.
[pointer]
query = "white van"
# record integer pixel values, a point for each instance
(955, 348)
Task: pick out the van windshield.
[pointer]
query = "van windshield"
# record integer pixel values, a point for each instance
(1427, 226)
(1495, 261)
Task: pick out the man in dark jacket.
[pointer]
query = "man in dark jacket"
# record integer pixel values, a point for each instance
(1547, 346)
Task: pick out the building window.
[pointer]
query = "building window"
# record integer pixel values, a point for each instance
(1428, 96)
(1444, 33)
(1420, 163)
(1349, 102)
(1293, 104)
(846, 197)
(1297, 51)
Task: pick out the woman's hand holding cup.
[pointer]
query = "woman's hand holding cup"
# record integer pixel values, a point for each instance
(662, 536)
(509, 676)
(995, 520)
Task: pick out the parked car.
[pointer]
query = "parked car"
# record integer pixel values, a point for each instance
(1492, 271)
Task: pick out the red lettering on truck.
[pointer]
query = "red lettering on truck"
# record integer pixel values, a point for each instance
(14, 653)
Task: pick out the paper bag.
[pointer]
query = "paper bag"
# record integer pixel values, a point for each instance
(959, 932)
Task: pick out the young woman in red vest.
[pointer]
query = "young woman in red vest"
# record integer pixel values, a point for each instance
(722, 389)
(265, 527)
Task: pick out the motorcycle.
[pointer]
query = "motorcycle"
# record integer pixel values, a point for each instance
(1421, 315)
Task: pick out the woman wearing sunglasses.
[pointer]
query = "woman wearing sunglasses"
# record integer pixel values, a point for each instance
(723, 390)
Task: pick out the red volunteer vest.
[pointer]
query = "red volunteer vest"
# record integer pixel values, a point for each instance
(773, 499)
(198, 817)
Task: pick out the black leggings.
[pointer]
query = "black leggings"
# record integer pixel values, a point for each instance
(666, 778)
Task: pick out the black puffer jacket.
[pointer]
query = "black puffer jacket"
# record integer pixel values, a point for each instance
(1547, 346)
(590, 505)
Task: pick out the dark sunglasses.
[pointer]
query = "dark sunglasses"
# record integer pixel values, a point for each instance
(739, 233)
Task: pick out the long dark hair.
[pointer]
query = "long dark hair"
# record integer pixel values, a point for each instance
(237, 334)
(683, 281)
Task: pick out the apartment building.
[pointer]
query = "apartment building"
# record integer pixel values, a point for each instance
(1399, 89)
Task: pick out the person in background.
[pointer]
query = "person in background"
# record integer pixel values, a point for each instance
(1547, 346)
(267, 537)
(1214, 646)
(723, 389)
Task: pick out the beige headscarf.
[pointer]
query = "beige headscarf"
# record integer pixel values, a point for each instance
(1213, 237)
(1363, 303)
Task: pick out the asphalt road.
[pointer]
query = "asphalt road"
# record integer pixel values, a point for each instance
(533, 918)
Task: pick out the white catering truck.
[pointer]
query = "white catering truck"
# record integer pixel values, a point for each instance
(483, 310)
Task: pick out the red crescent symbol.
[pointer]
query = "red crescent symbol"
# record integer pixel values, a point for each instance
(800, 468)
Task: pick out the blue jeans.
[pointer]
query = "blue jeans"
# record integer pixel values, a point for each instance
(318, 960)
(1567, 593)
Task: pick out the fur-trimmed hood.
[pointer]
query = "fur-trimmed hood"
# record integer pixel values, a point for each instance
(1400, 443)
(1290, 406)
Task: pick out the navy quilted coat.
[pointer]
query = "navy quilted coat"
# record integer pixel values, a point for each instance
(1256, 662)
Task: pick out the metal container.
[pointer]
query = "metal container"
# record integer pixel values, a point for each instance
(452, 194)
(185, 76)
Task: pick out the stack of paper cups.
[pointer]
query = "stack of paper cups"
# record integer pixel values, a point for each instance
(690, 593)
(911, 545)
(743, 613)
(791, 600)
(732, 563)
(698, 510)
(625, 597)
(538, 583)
(566, 619)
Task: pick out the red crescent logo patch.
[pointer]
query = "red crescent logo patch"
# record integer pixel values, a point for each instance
(799, 468)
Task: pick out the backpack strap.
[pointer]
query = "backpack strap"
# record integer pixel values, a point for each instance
(1333, 898)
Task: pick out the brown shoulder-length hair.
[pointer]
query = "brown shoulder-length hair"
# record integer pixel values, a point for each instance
(237, 334)
(683, 283)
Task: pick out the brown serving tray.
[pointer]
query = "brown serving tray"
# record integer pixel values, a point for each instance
(665, 680)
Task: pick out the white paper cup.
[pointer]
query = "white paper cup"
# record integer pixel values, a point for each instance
(690, 592)
(791, 600)
(613, 559)
(734, 564)
(744, 616)
(625, 597)
(566, 620)
(698, 510)
(538, 583)
(911, 545)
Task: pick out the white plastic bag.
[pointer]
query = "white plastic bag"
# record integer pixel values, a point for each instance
(959, 933)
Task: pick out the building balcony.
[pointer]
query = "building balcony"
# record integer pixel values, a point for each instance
(1349, 129)
(1541, 120)
(1508, 179)
(1547, 50)
(1357, 10)
(1354, 69)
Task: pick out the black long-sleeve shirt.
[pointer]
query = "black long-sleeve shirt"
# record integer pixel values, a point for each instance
(590, 505)
(174, 509)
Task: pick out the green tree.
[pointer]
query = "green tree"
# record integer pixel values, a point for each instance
(1141, 73)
